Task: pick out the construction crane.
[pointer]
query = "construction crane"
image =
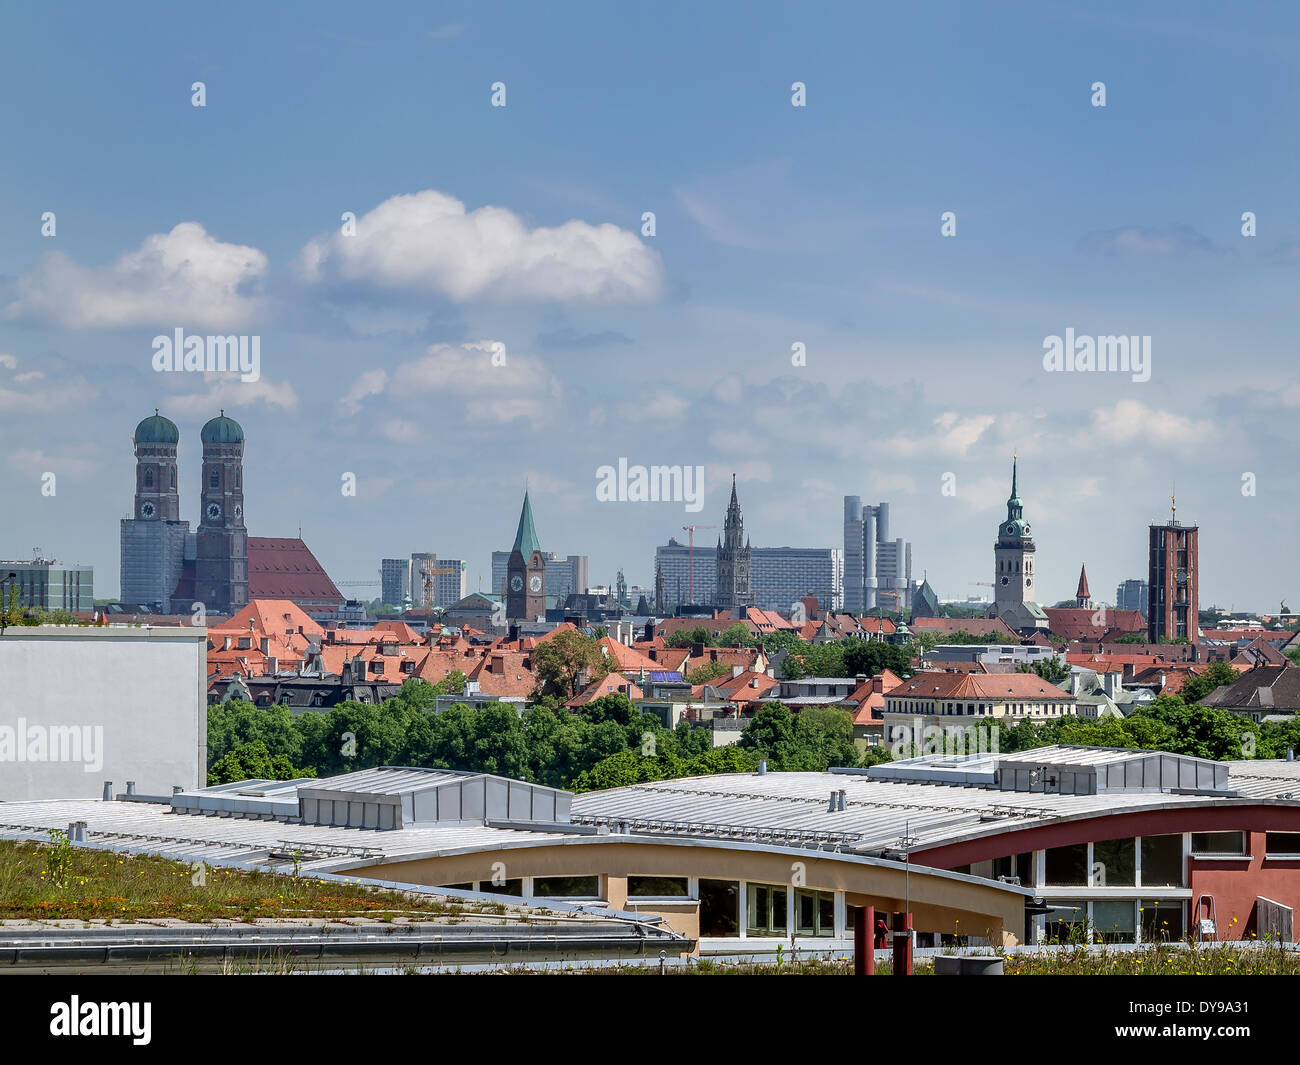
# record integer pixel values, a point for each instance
(427, 573)
(690, 559)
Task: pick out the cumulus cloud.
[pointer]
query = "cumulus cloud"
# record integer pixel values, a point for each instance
(1130, 420)
(1141, 241)
(232, 393)
(428, 242)
(185, 277)
(952, 435)
(473, 376)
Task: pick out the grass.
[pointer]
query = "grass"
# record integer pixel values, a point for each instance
(54, 881)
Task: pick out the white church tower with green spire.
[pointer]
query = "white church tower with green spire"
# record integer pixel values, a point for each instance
(1013, 576)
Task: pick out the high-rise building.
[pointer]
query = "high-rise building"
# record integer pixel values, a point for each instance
(1013, 577)
(221, 560)
(877, 570)
(1173, 580)
(778, 576)
(732, 588)
(395, 581)
(449, 587)
(153, 538)
(1132, 595)
(526, 574)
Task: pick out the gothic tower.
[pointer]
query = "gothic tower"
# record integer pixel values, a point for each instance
(526, 572)
(733, 560)
(221, 566)
(153, 538)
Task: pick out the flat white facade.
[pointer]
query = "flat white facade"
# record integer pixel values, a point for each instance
(83, 705)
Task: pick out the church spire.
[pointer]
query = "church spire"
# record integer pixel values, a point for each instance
(526, 537)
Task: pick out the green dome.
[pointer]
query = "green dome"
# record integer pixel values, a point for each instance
(223, 430)
(156, 429)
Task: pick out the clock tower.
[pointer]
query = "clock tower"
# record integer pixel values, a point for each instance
(221, 564)
(525, 591)
(1013, 576)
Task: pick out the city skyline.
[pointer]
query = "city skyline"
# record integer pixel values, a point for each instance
(798, 315)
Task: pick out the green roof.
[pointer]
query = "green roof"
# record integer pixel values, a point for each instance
(156, 429)
(526, 538)
(222, 430)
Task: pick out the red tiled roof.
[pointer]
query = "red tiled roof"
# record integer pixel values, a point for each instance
(995, 628)
(934, 685)
(610, 684)
(1081, 623)
(284, 568)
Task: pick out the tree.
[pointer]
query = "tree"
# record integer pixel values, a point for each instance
(1052, 670)
(618, 771)
(561, 660)
(707, 672)
(689, 637)
(252, 761)
(1131, 637)
(737, 635)
(1197, 686)
(870, 657)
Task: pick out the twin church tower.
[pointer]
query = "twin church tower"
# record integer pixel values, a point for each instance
(166, 568)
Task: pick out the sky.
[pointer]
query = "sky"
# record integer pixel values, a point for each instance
(500, 316)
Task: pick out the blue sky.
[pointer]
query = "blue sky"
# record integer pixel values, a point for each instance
(774, 225)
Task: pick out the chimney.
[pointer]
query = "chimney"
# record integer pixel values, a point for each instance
(108, 791)
(834, 803)
(860, 679)
(130, 787)
(842, 796)
(762, 767)
(737, 670)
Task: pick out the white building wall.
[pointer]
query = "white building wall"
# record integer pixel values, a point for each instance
(135, 696)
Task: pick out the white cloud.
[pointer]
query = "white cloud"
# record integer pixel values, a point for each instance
(1130, 420)
(953, 436)
(69, 392)
(370, 383)
(233, 393)
(184, 277)
(466, 374)
(427, 241)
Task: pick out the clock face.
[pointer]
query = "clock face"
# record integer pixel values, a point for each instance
(147, 510)
(516, 583)
(239, 511)
(535, 584)
(1029, 581)
(1006, 581)
(214, 511)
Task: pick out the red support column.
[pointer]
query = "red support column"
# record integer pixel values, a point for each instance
(903, 948)
(864, 942)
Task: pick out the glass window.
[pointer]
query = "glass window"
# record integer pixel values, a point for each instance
(1068, 866)
(814, 912)
(1017, 865)
(1162, 861)
(571, 887)
(510, 887)
(1162, 921)
(657, 887)
(719, 908)
(1282, 843)
(1066, 922)
(1112, 863)
(1218, 843)
(1115, 922)
(765, 910)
